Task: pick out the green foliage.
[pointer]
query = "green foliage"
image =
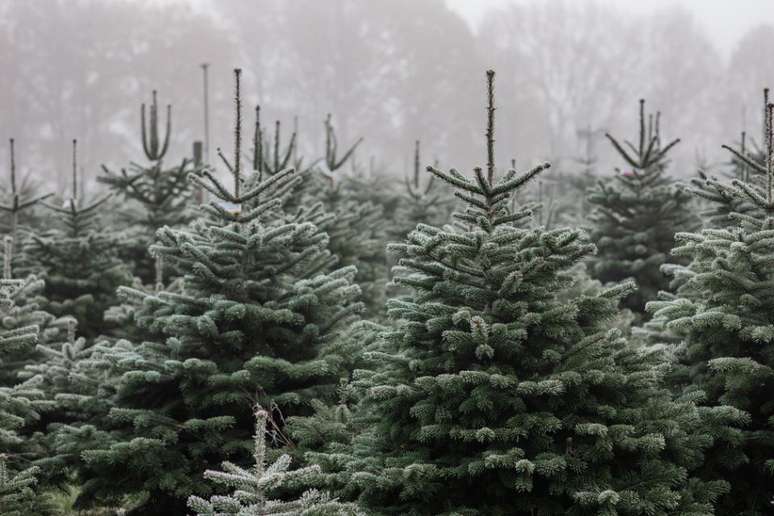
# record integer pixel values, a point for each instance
(153, 196)
(78, 261)
(637, 215)
(16, 494)
(722, 316)
(255, 320)
(252, 486)
(495, 394)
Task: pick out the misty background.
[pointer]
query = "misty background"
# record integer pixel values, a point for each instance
(391, 71)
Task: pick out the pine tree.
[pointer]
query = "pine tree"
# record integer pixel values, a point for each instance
(721, 317)
(78, 260)
(162, 195)
(495, 396)
(255, 321)
(637, 215)
(253, 486)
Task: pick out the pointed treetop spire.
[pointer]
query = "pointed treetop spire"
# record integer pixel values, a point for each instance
(648, 153)
(13, 169)
(761, 198)
(492, 210)
(75, 169)
(16, 205)
(490, 162)
(237, 131)
(150, 135)
(763, 121)
(332, 145)
(228, 204)
(416, 164)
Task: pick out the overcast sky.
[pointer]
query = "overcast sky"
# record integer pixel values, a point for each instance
(725, 20)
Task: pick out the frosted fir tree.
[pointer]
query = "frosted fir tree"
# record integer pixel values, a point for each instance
(16, 490)
(252, 486)
(70, 379)
(270, 156)
(78, 260)
(356, 227)
(637, 214)
(157, 196)
(496, 396)
(20, 198)
(17, 408)
(256, 321)
(21, 300)
(747, 165)
(721, 318)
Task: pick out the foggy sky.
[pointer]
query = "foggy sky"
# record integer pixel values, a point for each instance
(725, 20)
(391, 71)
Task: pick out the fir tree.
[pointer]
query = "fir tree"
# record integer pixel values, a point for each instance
(19, 198)
(721, 317)
(78, 260)
(356, 227)
(252, 486)
(21, 312)
(162, 195)
(496, 396)
(637, 214)
(16, 494)
(747, 164)
(17, 408)
(255, 321)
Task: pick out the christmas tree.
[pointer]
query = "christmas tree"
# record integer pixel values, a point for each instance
(637, 215)
(356, 227)
(496, 396)
(255, 322)
(162, 195)
(17, 405)
(252, 486)
(22, 311)
(747, 164)
(721, 317)
(16, 494)
(19, 198)
(78, 260)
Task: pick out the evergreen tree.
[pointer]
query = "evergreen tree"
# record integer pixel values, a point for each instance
(721, 317)
(78, 261)
(253, 485)
(18, 199)
(357, 229)
(496, 396)
(22, 311)
(16, 494)
(17, 407)
(746, 165)
(162, 195)
(256, 320)
(637, 215)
